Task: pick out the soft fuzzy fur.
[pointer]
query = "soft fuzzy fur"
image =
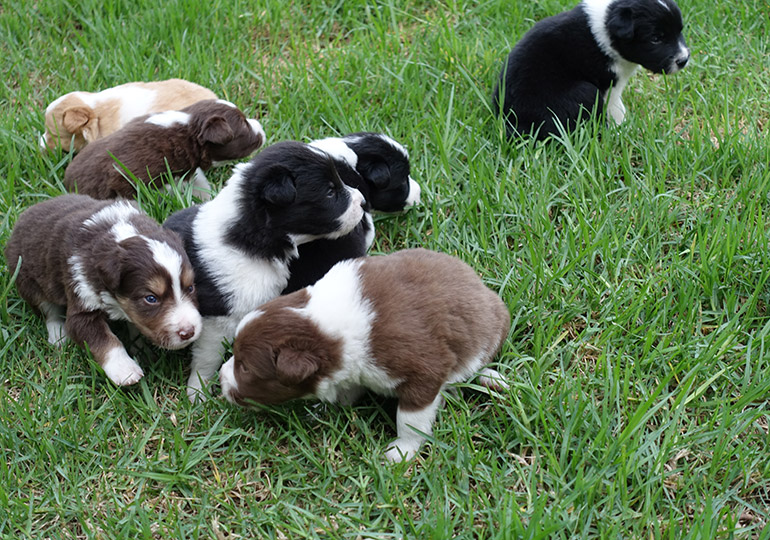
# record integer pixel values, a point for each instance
(75, 119)
(569, 64)
(184, 142)
(85, 262)
(242, 241)
(405, 324)
(385, 183)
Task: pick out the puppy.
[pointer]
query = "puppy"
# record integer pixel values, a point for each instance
(241, 242)
(563, 68)
(385, 183)
(85, 262)
(405, 324)
(192, 139)
(75, 119)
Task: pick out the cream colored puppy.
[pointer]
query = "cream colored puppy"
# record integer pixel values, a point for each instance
(75, 119)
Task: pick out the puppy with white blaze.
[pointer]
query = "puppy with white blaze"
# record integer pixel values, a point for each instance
(83, 262)
(242, 241)
(405, 325)
(569, 65)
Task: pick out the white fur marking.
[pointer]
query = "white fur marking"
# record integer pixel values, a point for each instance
(337, 149)
(121, 368)
(247, 319)
(119, 211)
(83, 289)
(169, 118)
(227, 379)
(122, 230)
(257, 128)
(225, 102)
(414, 194)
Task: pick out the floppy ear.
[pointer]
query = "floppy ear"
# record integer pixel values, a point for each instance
(108, 269)
(293, 367)
(620, 23)
(76, 118)
(377, 172)
(216, 130)
(279, 188)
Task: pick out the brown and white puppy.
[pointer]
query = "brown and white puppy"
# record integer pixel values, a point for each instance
(187, 141)
(78, 118)
(84, 262)
(405, 324)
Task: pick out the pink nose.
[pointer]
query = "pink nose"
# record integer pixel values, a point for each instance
(186, 333)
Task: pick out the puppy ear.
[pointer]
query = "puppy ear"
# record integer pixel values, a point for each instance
(216, 130)
(377, 173)
(75, 119)
(108, 268)
(620, 23)
(293, 367)
(279, 188)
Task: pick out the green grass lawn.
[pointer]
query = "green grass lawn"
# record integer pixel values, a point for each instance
(634, 261)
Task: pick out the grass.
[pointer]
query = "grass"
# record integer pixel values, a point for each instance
(634, 261)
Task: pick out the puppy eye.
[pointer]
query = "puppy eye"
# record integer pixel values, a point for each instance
(190, 289)
(656, 39)
(331, 192)
(151, 299)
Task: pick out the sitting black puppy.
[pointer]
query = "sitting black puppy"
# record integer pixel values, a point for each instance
(566, 63)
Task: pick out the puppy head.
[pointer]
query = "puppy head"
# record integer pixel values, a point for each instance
(278, 355)
(302, 192)
(69, 123)
(224, 130)
(384, 165)
(152, 283)
(649, 33)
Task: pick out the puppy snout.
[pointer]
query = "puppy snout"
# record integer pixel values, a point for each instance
(682, 60)
(186, 333)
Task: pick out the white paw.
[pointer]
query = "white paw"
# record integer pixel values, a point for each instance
(617, 111)
(492, 379)
(400, 450)
(121, 368)
(195, 391)
(57, 335)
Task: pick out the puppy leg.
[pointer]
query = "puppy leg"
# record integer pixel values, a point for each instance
(54, 322)
(201, 187)
(206, 359)
(91, 328)
(492, 380)
(407, 421)
(615, 107)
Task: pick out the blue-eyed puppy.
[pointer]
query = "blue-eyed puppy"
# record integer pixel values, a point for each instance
(405, 324)
(85, 262)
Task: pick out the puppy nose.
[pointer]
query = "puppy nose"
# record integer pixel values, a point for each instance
(681, 62)
(186, 333)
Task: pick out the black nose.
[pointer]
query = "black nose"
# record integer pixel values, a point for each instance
(681, 62)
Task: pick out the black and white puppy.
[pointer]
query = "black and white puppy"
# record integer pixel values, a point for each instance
(563, 68)
(385, 183)
(85, 262)
(241, 242)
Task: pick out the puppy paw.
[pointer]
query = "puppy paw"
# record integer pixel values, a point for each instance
(57, 335)
(492, 380)
(121, 368)
(195, 394)
(400, 450)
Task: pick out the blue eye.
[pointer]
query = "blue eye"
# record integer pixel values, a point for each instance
(151, 299)
(190, 289)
